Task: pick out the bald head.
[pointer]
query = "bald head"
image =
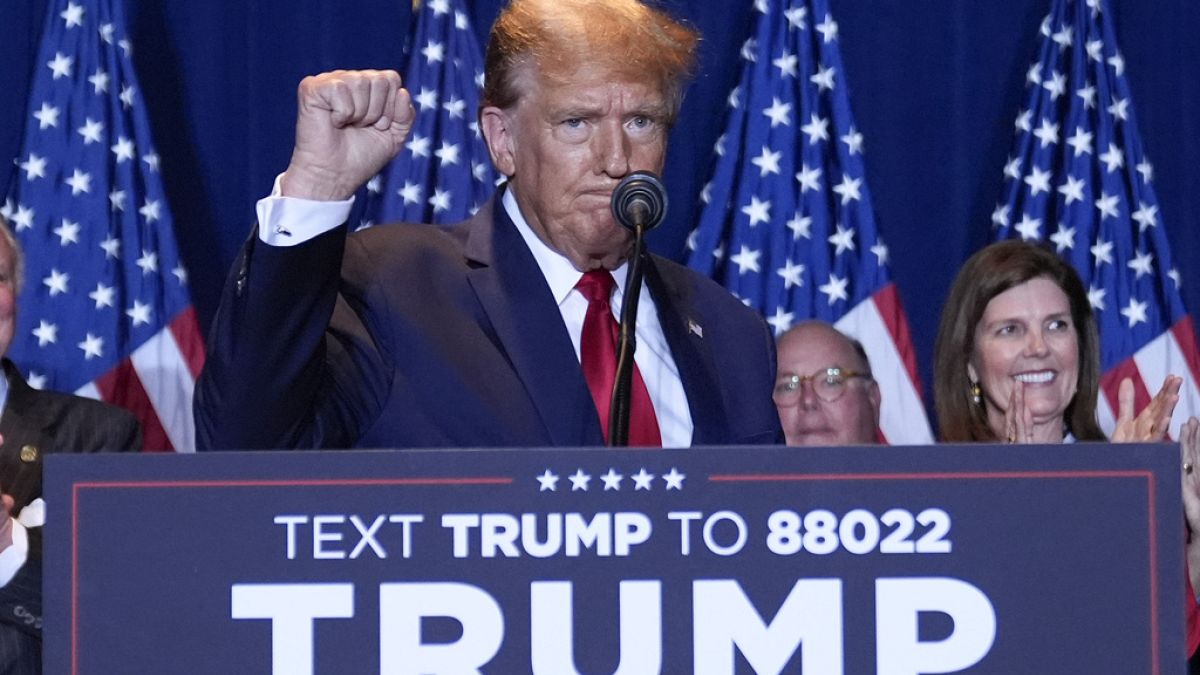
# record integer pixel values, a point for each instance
(808, 414)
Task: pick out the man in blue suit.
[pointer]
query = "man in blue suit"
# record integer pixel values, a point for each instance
(416, 336)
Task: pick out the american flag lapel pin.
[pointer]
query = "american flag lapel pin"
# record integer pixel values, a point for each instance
(695, 329)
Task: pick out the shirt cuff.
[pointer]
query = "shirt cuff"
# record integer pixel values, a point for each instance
(288, 221)
(13, 557)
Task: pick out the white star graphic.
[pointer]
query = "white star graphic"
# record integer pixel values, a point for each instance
(642, 479)
(1064, 37)
(426, 100)
(139, 313)
(1057, 85)
(1080, 142)
(151, 210)
(1174, 275)
(1096, 298)
(1119, 108)
(79, 182)
(106, 32)
(1102, 251)
(1088, 94)
(1013, 168)
(102, 296)
(881, 252)
(68, 233)
(1095, 50)
(781, 321)
(1118, 64)
(455, 107)
(439, 7)
(127, 94)
(823, 78)
(1146, 216)
(151, 160)
(47, 116)
(61, 65)
(835, 289)
(1107, 204)
(779, 112)
(1024, 121)
(180, 274)
(148, 262)
(1030, 228)
(123, 149)
(795, 17)
(411, 193)
(34, 167)
(99, 80)
(853, 141)
(116, 200)
(843, 239)
(579, 480)
(1141, 264)
(23, 218)
(791, 274)
(1047, 133)
(612, 480)
(91, 131)
(809, 179)
(848, 189)
(817, 129)
(56, 282)
(746, 260)
(434, 52)
(72, 15)
(448, 153)
(1135, 311)
(548, 481)
(1146, 170)
(111, 246)
(674, 479)
(801, 226)
(460, 21)
(749, 50)
(1034, 74)
(92, 346)
(828, 29)
(786, 63)
(1063, 238)
(419, 146)
(440, 201)
(1038, 181)
(1113, 159)
(758, 211)
(1072, 190)
(45, 333)
(767, 162)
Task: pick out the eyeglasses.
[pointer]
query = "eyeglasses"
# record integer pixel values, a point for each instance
(829, 384)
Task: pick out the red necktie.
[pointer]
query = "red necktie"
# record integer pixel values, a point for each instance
(598, 356)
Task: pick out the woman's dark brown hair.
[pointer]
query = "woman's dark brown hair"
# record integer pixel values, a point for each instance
(985, 275)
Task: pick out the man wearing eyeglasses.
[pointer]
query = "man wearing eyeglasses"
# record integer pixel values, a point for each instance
(824, 390)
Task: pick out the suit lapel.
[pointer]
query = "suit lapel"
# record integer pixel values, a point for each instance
(521, 308)
(22, 427)
(683, 327)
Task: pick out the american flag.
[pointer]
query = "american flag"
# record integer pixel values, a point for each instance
(787, 224)
(104, 311)
(1078, 177)
(444, 173)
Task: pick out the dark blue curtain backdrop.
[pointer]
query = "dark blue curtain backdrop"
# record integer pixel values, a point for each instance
(935, 86)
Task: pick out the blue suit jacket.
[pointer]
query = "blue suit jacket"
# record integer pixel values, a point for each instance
(448, 337)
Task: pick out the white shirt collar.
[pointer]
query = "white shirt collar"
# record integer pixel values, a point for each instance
(559, 272)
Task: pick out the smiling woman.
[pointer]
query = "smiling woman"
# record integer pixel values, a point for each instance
(1017, 356)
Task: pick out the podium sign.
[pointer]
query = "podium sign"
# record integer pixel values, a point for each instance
(981, 559)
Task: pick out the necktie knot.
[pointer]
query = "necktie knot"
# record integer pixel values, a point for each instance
(596, 285)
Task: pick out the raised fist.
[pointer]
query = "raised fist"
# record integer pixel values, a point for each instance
(349, 125)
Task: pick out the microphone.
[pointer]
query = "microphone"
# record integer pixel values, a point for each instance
(639, 203)
(639, 199)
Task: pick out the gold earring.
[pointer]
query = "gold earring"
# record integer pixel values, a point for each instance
(976, 393)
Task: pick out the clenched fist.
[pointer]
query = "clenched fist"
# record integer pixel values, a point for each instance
(349, 125)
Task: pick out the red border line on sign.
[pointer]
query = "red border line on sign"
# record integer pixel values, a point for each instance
(76, 488)
(978, 475)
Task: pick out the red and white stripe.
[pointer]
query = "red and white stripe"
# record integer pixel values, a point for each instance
(1172, 353)
(156, 384)
(882, 328)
